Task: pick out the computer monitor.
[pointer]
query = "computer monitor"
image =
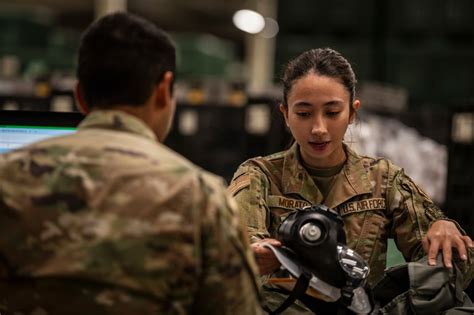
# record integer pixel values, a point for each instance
(19, 128)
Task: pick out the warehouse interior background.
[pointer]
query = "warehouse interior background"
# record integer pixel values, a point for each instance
(414, 60)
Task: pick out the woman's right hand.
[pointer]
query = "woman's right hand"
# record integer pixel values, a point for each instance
(266, 260)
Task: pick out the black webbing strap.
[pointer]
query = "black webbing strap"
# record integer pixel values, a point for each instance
(299, 290)
(347, 293)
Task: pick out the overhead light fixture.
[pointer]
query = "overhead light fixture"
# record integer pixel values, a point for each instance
(249, 21)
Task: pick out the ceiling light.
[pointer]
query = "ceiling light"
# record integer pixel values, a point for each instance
(249, 21)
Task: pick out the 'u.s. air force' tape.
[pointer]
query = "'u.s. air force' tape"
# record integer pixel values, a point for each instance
(361, 205)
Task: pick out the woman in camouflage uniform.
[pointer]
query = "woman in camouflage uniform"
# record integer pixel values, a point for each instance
(375, 198)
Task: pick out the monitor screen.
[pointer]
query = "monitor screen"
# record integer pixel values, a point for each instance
(19, 128)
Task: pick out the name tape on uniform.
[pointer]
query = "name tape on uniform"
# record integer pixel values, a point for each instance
(287, 203)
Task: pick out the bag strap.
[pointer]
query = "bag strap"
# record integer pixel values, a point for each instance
(299, 290)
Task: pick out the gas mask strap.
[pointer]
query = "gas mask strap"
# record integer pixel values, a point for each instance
(299, 290)
(347, 293)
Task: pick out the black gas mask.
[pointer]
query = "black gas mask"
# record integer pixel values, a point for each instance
(314, 251)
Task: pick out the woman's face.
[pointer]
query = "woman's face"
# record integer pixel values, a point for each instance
(318, 115)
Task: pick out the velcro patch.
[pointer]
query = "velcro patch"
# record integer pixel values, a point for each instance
(238, 184)
(361, 205)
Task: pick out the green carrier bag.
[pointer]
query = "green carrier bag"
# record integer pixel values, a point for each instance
(417, 288)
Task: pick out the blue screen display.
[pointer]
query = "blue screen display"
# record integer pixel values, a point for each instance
(12, 137)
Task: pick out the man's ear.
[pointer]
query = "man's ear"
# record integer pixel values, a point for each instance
(163, 89)
(284, 113)
(355, 108)
(81, 103)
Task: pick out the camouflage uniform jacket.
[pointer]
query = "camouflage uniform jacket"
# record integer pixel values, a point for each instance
(375, 198)
(110, 221)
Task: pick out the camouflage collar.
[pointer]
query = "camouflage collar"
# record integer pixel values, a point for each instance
(294, 173)
(117, 120)
(351, 181)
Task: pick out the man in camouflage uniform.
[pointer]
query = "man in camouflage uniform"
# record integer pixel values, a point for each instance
(375, 198)
(109, 220)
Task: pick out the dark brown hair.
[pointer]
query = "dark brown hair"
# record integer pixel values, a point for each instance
(321, 61)
(121, 58)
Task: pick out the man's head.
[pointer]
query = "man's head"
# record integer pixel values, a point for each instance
(126, 62)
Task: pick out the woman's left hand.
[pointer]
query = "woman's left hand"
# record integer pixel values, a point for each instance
(442, 236)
